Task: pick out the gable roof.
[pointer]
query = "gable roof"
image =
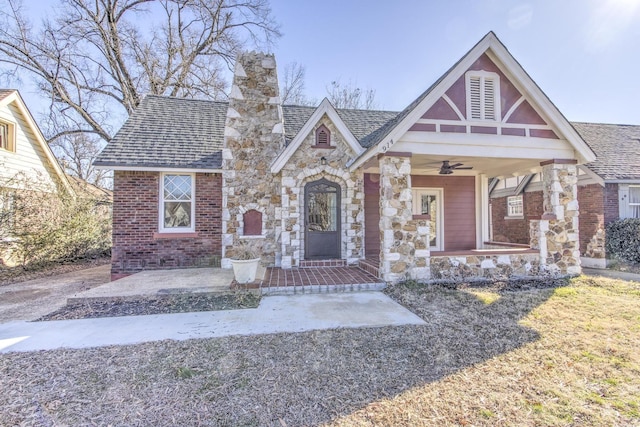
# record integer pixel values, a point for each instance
(8, 96)
(354, 125)
(397, 127)
(180, 133)
(617, 149)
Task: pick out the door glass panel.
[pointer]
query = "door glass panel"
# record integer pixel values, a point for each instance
(429, 206)
(322, 212)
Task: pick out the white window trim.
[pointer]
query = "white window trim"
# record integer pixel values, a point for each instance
(629, 204)
(439, 193)
(11, 136)
(483, 75)
(161, 227)
(510, 214)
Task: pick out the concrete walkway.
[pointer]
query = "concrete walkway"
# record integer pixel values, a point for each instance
(292, 313)
(612, 274)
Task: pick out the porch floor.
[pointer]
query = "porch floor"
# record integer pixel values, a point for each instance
(317, 279)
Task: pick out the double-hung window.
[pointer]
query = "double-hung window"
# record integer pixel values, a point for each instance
(177, 202)
(6, 136)
(515, 206)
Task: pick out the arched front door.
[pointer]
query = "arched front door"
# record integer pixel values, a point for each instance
(322, 220)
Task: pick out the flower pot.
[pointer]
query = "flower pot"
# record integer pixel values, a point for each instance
(245, 270)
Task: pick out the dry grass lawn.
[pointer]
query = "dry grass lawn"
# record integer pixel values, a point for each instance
(557, 356)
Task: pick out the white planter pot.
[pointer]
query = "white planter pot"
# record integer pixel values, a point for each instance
(245, 270)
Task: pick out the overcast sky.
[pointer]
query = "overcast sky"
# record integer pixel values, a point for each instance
(584, 54)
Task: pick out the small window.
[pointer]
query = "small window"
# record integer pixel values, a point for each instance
(515, 206)
(177, 203)
(323, 136)
(6, 136)
(483, 95)
(634, 201)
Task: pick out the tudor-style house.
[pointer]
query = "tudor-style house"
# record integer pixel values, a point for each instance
(404, 194)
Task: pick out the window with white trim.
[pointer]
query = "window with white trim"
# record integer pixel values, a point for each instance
(6, 136)
(483, 95)
(177, 203)
(515, 207)
(634, 201)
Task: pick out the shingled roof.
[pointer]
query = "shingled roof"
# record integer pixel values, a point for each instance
(167, 132)
(617, 149)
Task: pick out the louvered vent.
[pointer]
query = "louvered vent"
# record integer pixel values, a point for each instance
(323, 136)
(475, 97)
(489, 99)
(482, 92)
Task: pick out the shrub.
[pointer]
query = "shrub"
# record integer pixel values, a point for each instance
(39, 225)
(623, 240)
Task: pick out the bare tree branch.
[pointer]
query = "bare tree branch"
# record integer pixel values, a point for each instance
(351, 96)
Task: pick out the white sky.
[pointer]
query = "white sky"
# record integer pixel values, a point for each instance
(584, 54)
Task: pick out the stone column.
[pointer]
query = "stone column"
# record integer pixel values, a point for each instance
(404, 249)
(559, 241)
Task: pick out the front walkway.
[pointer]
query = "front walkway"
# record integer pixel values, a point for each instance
(275, 314)
(318, 279)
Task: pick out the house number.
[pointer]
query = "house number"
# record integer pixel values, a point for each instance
(386, 146)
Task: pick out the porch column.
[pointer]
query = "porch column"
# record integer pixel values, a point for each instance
(558, 229)
(404, 249)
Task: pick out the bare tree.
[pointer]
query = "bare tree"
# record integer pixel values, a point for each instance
(77, 152)
(351, 96)
(96, 59)
(293, 85)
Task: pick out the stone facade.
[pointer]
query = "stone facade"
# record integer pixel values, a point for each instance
(404, 249)
(253, 137)
(305, 166)
(559, 228)
(477, 266)
(138, 246)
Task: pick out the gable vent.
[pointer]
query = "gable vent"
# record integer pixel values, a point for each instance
(323, 136)
(482, 96)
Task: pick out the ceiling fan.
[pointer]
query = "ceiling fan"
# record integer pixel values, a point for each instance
(447, 169)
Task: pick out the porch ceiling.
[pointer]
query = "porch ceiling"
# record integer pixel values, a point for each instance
(422, 164)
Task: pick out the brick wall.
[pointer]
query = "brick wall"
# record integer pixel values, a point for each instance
(514, 230)
(136, 243)
(611, 203)
(591, 203)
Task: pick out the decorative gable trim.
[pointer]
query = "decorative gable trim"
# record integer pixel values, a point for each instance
(325, 107)
(498, 53)
(14, 97)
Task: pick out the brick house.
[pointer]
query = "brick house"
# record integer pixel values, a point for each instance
(608, 189)
(404, 193)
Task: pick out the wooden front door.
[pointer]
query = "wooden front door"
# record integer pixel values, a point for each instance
(322, 220)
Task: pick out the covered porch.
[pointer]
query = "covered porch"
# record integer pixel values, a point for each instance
(427, 223)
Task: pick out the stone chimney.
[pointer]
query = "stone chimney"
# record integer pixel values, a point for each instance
(253, 137)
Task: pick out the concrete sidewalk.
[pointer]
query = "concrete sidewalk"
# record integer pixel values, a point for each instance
(291, 313)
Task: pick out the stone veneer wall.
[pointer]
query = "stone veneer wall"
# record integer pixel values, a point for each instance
(559, 228)
(404, 251)
(253, 138)
(305, 166)
(494, 267)
(138, 246)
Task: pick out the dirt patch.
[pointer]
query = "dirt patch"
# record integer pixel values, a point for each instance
(19, 274)
(156, 305)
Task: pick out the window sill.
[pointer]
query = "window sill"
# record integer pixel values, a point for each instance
(165, 235)
(326, 147)
(514, 217)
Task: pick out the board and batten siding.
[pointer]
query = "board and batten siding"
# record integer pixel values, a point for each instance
(459, 210)
(28, 156)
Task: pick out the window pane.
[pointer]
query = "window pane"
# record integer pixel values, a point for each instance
(4, 136)
(177, 214)
(634, 194)
(322, 212)
(177, 187)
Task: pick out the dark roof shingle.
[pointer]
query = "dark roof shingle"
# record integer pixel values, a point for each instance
(617, 149)
(169, 132)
